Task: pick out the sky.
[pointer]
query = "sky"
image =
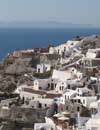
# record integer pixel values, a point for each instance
(74, 11)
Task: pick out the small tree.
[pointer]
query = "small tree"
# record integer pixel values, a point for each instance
(85, 112)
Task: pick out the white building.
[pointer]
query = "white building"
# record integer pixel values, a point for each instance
(68, 95)
(29, 93)
(41, 68)
(48, 125)
(83, 91)
(40, 84)
(71, 73)
(63, 79)
(65, 49)
(92, 59)
(94, 105)
(94, 122)
(61, 75)
(61, 85)
(92, 53)
(52, 83)
(52, 50)
(21, 87)
(85, 100)
(40, 102)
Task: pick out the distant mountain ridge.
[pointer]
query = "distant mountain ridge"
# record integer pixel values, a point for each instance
(50, 24)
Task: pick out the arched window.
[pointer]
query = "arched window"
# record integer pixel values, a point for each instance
(65, 97)
(64, 49)
(60, 87)
(68, 86)
(78, 108)
(40, 106)
(48, 85)
(52, 86)
(58, 51)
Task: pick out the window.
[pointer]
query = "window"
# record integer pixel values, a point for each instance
(74, 88)
(48, 85)
(83, 101)
(79, 101)
(60, 87)
(63, 54)
(72, 43)
(55, 100)
(40, 106)
(64, 49)
(38, 70)
(78, 108)
(66, 107)
(58, 51)
(52, 86)
(45, 105)
(65, 97)
(68, 86)
(36, 84)
(72, 101)
(19, 90)
(40, 88)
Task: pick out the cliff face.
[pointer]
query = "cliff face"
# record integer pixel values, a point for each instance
(12, 73)
(23, 114)
(18, 118)
(90, 42)
(51, 59)
(7, 83)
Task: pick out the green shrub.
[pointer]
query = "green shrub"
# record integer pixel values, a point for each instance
(43, 75)
(85, 112)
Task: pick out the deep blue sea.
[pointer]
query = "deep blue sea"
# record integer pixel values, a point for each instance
(22, 38)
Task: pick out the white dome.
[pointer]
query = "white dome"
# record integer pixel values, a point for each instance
(51, 50)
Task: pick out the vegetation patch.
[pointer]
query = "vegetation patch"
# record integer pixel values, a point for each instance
(43, 75)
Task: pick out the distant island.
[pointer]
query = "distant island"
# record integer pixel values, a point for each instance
(48, 24)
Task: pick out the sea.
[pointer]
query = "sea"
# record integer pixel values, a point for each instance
(26, 38)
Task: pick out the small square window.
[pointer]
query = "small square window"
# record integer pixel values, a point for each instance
(66, 107)
(45, 105)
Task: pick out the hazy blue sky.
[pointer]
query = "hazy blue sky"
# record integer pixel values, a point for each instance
(75, 11)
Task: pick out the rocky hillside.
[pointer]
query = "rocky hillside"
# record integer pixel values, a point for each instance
(90, 42)
(12, 73)
(12, 70)
(51, 59)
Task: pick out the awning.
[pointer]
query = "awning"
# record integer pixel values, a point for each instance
(65, 113)
(58, 115)
(63, 118)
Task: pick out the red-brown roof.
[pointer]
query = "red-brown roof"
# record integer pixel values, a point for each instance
(41, 92)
